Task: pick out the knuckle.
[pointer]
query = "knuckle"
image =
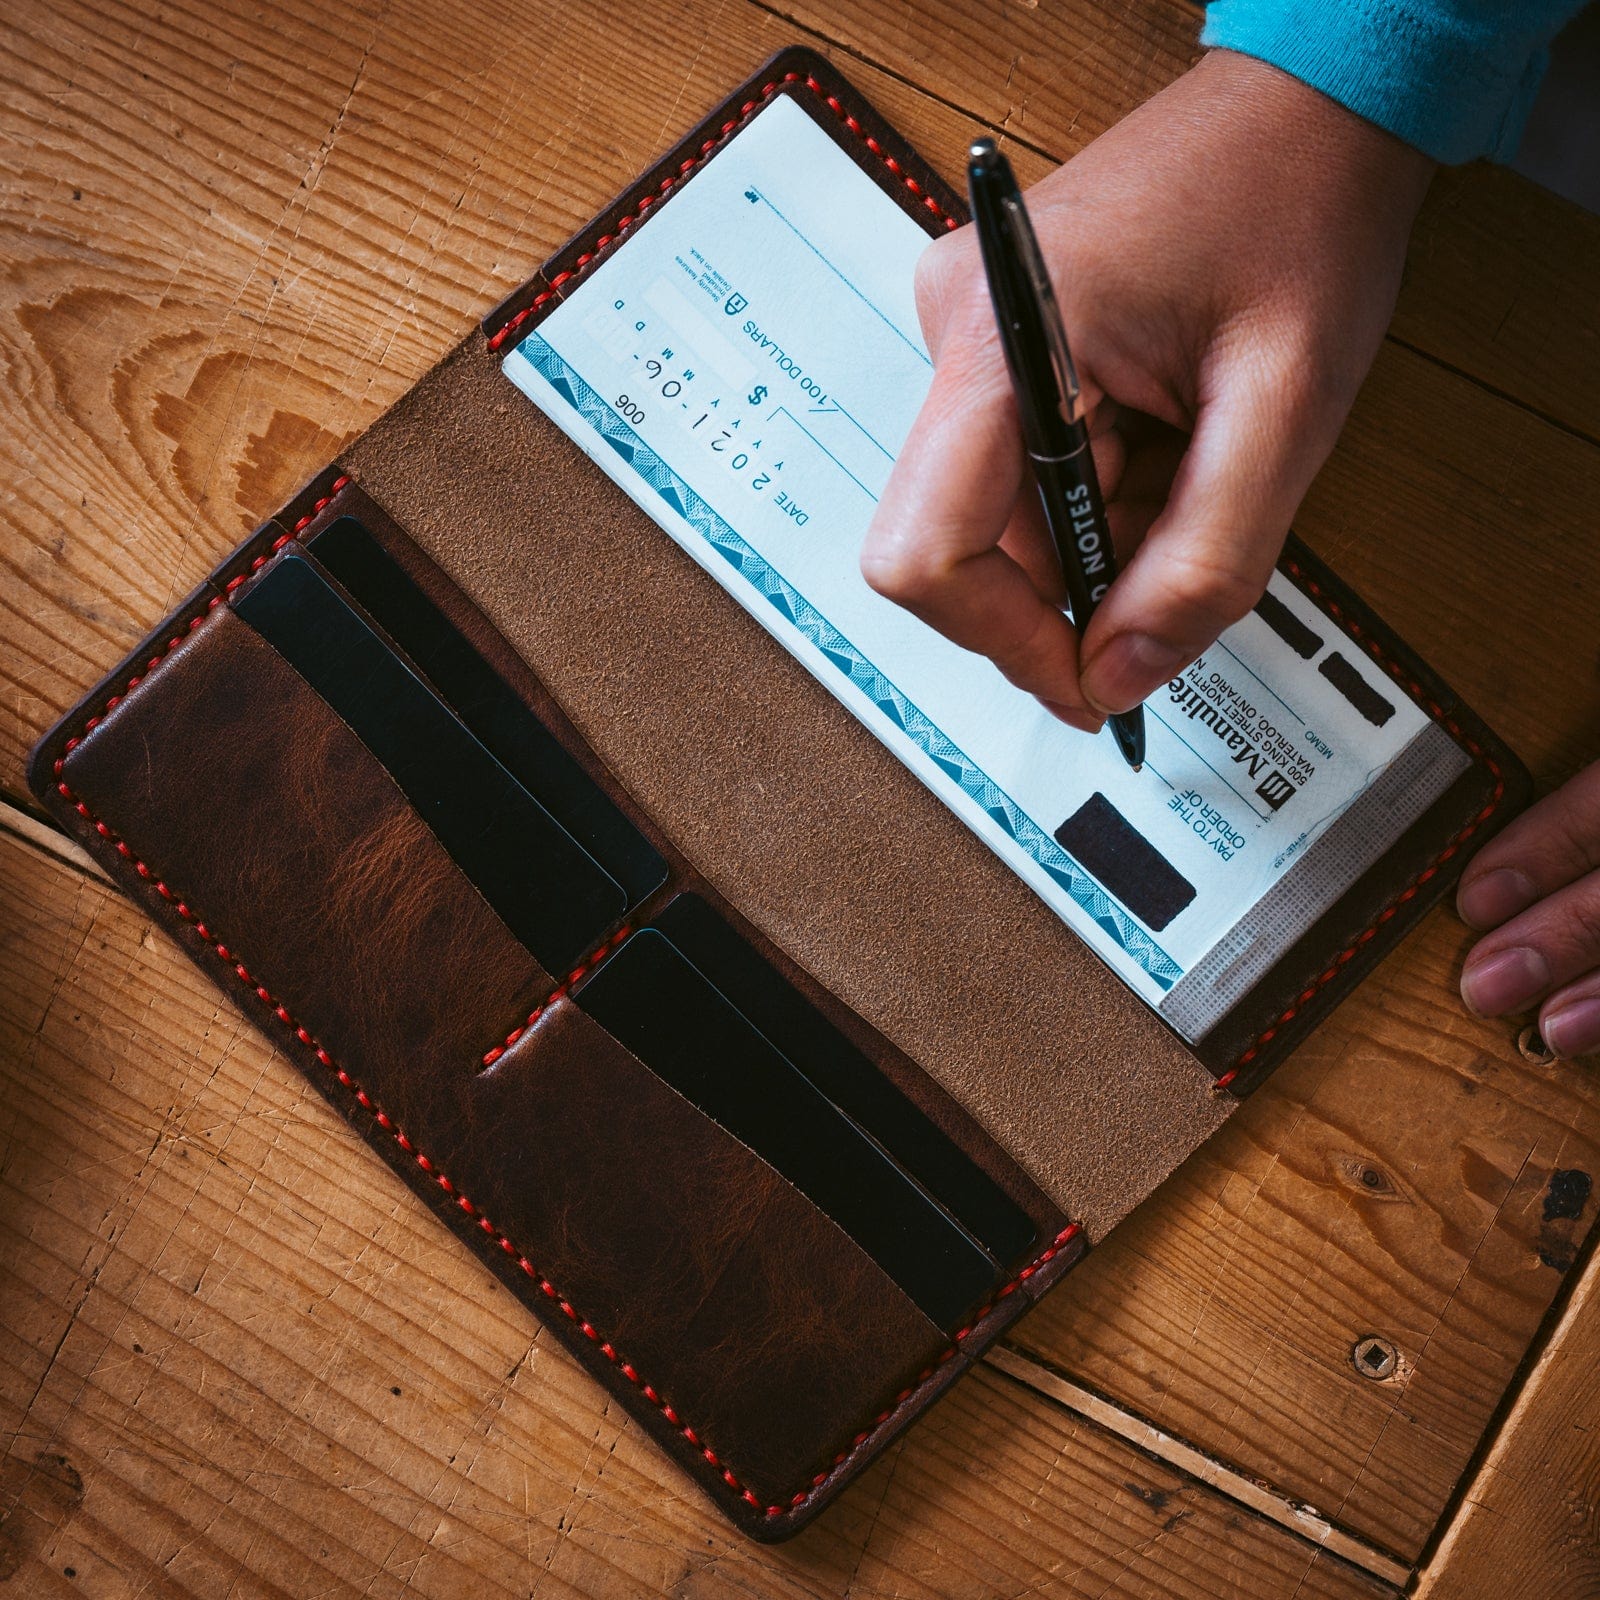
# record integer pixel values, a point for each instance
(1553, 843)
(1585, 926)
(1202, 585)
(1574, 840)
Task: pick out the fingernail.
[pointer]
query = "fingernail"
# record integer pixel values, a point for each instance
(1574, 1030)
(1509, 980)
(1074, 716)
(1123, 673)
(1494, 898)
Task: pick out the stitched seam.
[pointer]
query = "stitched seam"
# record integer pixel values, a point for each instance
(1452, 847)
(1062, 1239)
(561, 990)
(339, 483)
(687, 166)
(466, 1205)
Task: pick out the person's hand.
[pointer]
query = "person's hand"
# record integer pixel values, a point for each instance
(1537, 886)
(1226, 259)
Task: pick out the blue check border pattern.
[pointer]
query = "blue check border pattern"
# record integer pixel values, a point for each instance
(785, 598)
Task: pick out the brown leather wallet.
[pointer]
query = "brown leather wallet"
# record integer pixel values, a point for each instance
(615, 936)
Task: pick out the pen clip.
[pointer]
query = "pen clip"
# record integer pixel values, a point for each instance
(1055, 333)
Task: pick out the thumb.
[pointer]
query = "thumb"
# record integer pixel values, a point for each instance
(1207, 557)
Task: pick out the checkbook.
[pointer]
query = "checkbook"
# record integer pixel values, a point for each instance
(772, 999)
(746, 370)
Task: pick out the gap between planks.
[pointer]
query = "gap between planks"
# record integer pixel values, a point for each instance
(889, 70)
(1250, 1493)
(46, 837)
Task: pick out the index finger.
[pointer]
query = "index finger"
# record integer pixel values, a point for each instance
(934, 544)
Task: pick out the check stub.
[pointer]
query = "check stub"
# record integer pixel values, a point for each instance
(746, 367)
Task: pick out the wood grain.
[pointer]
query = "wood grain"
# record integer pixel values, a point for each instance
(1391, 1183)
(237, 1357)
(1303, 1519)
(1529, 1525)
(1488, 571)
(228, 246)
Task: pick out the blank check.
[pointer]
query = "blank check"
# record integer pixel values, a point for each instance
(747, 369)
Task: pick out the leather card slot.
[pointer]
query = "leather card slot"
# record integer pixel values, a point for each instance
(486, 703)
(300, 863)
(849, 1079)
(655, 1001)
(555, 898)
(679, 1262)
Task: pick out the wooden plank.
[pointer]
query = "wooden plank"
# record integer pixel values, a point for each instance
(229, 247)
(1053, 75)
(46, 836)
(1499, 283)
(285, 227)
(1490, 581)
(1391, 1184)
(1500, 278)
(1529, 1525)
(238, 1356)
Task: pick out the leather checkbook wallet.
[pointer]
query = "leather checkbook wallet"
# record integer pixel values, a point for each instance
(771, 1005)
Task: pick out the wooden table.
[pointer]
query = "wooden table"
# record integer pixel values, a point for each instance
(235, 1357)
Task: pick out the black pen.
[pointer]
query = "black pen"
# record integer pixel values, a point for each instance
(1049, 400)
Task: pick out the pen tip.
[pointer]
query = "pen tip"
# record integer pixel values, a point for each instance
(1138, 766)
(982, 151)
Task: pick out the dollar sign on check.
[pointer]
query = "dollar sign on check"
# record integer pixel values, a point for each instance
(758, 394)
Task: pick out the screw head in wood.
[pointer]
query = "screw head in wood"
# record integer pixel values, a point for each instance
(1533, 1048)
(1373, 1357)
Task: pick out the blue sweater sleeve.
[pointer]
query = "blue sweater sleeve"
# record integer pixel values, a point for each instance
(1455, 78)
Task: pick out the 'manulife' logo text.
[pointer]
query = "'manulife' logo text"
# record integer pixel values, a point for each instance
(1274, 787)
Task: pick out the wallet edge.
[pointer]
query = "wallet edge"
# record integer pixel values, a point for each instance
(896, 166)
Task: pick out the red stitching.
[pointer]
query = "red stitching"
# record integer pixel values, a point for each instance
(685, 167)
(563, 988)
(194, 622)
(272, 550)
(1451, 848)
(546, 1287)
